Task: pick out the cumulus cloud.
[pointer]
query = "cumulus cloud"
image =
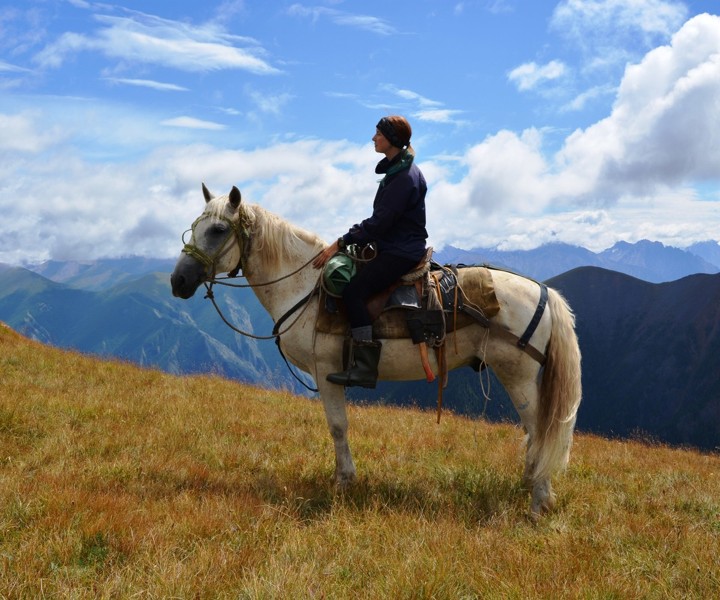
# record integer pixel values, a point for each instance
(151, 40)
(642, 160)
(142, 206)
(658, 134)
(19, 133)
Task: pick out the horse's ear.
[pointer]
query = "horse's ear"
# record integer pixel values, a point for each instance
(235, 197)
(206, 193)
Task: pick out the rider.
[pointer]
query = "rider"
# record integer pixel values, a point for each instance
(397, 229)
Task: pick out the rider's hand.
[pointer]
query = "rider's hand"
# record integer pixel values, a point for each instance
(326, 255)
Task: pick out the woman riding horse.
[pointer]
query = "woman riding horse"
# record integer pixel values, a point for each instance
(397, 228)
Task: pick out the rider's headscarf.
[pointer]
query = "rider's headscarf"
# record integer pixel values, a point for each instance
(386, 127)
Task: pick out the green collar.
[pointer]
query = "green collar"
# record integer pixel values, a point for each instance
(390, 168)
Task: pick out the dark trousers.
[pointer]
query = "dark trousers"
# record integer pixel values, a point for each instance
(373, 277)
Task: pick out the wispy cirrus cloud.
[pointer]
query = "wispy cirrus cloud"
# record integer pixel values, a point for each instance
(438, 115)
(269, 103)
(406, 94)
(147, 39)
(9, 68)
(193, 123)
(148, 83)
(424, 108)
(366, 22)
(610, 33)
(605, 21)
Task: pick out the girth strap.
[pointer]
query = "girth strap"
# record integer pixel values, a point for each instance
(523, 341)
(525, 337)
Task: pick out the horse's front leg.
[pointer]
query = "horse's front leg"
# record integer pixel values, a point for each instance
(333, 399)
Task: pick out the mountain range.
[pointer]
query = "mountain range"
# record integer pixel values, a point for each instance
(649, 348)
(650, 261)
(139, 320)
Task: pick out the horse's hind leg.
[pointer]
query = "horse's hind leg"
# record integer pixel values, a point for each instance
(333, 399)
(523, 387)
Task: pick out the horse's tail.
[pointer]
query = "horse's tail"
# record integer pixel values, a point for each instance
(560, 393)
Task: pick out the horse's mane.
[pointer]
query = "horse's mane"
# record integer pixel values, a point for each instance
(274, 238)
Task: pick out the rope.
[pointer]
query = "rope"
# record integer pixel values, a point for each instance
(211, 296)
(222, 280)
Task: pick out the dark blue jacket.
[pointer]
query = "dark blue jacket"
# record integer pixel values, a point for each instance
(397, 224)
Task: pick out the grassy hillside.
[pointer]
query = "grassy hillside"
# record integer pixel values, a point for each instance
(117, 482)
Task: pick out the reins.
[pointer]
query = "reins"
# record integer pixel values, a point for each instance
(303, 304)
(239, 230)
(276, 332)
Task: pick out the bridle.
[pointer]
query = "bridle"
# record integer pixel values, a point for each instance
(237, 229)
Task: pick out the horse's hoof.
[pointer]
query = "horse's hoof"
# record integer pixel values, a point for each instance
(344, 480)
(543, 500)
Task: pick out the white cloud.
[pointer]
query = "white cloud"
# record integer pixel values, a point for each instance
(9, 68)
(367, 22)
(269, 103)
(155, 85)
(499, 6)
(415, 97)
(438, 115)
(19, 133)
(530, 75)
(579, 102)
(642, 161)
(659, 133)
(427, 110)
(152, 40)
(192, 123)
(630, 175)
(504, 176)
(599, 25)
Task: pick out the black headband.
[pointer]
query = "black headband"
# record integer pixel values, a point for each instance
(385, 127)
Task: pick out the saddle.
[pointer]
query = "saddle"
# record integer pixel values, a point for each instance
(423, 306)
(459, 290)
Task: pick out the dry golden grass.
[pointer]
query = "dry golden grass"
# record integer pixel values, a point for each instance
(117, 482)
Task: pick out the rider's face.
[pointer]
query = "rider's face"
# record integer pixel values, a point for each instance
(382, 145)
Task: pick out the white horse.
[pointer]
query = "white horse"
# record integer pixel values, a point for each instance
(275, 258)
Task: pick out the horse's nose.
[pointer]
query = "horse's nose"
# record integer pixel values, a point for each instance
(176, 282)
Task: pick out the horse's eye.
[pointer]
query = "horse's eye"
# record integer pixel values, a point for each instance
(218, 229)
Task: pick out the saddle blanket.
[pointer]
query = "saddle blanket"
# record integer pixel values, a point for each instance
(476, 288)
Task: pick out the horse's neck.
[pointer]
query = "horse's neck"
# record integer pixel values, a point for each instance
(277, 298)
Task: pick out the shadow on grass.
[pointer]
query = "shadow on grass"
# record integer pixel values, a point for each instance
(471, 497)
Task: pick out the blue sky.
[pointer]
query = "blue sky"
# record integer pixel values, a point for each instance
(579, 121)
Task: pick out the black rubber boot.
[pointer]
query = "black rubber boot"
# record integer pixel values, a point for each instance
(362, 368)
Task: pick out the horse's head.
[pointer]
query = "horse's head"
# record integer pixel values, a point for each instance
(217, 243)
